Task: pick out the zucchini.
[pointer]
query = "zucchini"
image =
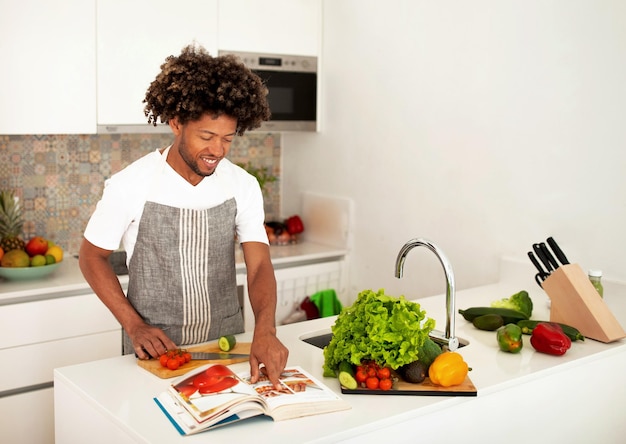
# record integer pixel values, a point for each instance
(508, 316)
(346, 375)
(527, 327)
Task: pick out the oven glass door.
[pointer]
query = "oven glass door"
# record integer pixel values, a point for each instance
(292, 95)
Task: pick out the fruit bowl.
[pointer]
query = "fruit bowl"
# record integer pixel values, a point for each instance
(27, 273)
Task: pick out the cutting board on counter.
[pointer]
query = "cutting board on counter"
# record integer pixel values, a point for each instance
(425, 388)
(327, 219)
(155, 367)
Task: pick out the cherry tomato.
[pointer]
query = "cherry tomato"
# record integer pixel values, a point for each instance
(371, 372)
(361, 375)
(385, 384)
(383, 373)
(173, 364)
(187, 356)
(180, 358)
(372, 383)
(163, 359)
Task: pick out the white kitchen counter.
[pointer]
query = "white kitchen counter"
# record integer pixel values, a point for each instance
(67, 280)
(526, 397)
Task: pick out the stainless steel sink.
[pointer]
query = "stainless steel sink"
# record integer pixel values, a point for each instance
(322, 339)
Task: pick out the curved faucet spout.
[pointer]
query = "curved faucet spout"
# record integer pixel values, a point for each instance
(448, 336)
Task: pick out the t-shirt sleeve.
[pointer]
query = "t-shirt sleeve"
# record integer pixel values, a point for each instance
(121, 204)
(250, 212)
(109, 221)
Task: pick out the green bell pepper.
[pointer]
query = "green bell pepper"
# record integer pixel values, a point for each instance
(510, 338)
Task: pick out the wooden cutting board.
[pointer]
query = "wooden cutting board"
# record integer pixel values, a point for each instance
(155, 367)
(425, 388)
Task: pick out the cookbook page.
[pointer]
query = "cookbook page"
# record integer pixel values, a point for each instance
(297, 387)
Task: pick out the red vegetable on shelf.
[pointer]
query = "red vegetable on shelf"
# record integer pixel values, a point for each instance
(548, 337)
(294, 225)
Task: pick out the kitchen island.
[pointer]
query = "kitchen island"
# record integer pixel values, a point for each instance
(57, 321)
(526, 397)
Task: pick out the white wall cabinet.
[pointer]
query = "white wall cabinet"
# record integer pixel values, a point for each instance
(270, 26)
(47, 334)
(134, 38)
(82, 66)
(48, 75)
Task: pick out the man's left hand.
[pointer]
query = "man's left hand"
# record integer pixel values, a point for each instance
(267, 355)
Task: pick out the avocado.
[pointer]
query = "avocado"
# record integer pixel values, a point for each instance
(415, 372)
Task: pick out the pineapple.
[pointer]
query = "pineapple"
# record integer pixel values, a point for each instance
(11, 222)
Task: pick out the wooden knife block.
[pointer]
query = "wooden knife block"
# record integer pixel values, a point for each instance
(576, 302)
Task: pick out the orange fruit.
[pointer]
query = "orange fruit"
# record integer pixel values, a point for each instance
(57, 252)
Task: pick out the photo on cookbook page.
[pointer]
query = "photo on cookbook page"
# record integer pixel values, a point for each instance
(212, 390)
(293, 382)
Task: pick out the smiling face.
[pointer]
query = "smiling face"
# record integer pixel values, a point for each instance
(200, 145)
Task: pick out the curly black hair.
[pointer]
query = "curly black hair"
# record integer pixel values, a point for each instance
(195, 83)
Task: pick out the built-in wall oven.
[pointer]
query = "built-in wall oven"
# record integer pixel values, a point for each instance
(292, 84)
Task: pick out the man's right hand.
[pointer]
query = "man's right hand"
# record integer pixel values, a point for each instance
(150, 342)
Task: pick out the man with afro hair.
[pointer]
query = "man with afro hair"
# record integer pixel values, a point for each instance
(177, 212)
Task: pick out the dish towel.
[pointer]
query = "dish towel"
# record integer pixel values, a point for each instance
(327, 303)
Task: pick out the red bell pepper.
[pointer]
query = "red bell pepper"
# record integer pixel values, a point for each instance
(548, 337)
(215, 379)
(294, 225)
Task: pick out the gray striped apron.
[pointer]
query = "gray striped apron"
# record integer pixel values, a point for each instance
(182, 275)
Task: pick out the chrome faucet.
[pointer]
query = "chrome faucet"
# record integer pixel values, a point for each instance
(448, 336)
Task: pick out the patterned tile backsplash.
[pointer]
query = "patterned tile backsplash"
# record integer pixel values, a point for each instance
(59, 178)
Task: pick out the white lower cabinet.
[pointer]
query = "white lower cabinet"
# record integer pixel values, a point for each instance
(47, 334)
(28, 417)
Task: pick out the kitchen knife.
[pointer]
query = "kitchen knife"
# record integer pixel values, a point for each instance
(217, 356)
(548, 255)
(557, 251)
(542, 273)
(542, 257)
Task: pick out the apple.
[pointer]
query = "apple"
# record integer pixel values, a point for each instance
(37, 245)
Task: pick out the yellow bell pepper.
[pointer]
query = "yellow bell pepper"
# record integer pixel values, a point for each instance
(448, 369)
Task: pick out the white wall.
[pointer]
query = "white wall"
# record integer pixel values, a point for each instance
(484, 126)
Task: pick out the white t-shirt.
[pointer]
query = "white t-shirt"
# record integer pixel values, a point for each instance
(116, 219)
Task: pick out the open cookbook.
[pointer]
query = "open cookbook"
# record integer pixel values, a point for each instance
(213, 395)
